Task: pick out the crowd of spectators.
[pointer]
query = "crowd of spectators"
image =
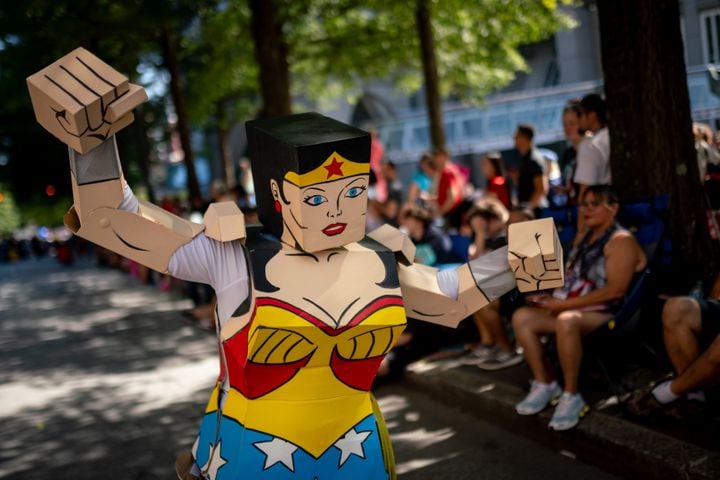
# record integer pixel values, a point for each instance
(451, 220)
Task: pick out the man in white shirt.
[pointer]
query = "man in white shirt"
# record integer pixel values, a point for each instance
(593, 158)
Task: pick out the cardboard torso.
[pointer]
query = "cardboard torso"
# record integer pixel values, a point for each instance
(316, 328)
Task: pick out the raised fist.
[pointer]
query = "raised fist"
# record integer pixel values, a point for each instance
(535, 255)
(82, 100)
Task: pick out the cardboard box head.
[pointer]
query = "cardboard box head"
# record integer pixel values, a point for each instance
(311, 175)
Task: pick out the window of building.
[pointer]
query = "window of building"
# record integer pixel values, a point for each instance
(710, 31)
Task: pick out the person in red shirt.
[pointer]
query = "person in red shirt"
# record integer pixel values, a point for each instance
(451, 185)
(494, 172)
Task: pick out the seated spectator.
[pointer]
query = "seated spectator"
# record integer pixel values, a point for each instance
(422, 185)
(495, 350)
(394, 200)
(691, 331)
(487, 219)
(599, 271)
(496, 183)
(432, 245)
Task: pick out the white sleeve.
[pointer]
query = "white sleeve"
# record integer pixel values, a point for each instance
(448, 282)
(129, 202)
(589, 160)
(491, 272)
(221, 265)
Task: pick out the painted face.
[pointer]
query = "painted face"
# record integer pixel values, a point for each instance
(324, 215)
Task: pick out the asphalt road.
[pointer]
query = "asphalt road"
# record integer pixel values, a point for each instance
(101, 378)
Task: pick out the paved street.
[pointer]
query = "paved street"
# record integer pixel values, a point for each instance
(101, 378)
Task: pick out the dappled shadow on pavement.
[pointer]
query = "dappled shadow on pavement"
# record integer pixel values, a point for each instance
(99, 376)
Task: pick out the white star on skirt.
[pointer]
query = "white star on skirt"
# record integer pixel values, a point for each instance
(277, 451)
(351, 444)
(214, 462)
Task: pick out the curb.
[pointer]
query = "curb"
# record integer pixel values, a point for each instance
(615, 445)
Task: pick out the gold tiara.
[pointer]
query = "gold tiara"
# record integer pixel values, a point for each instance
(333, 168)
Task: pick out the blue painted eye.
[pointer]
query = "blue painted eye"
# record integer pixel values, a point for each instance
(315, 200)
(355, 192)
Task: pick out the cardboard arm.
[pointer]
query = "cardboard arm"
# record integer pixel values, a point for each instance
(149, 236)
(533, 261)
(478, 283)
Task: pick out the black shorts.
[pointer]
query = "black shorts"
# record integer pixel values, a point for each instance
(710, 318)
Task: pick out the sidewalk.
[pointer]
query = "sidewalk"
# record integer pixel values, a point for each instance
(605, 437)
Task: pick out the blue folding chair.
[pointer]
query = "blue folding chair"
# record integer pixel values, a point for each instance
(645, 219)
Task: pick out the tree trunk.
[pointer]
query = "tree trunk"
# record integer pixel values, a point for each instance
(171, 63)
(271, 55)
(432, 88)
(144, 151)
(224, 146)
(652, 146)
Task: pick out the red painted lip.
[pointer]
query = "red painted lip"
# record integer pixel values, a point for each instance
(334, 229)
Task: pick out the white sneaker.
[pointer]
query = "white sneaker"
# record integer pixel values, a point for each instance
(501, 359)
(540, 395)
(570, 409)
(479, 354)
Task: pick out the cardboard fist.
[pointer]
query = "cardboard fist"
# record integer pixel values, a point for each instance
(82, 100)
(535, 255)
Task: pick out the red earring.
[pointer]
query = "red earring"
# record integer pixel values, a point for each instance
(277, 206)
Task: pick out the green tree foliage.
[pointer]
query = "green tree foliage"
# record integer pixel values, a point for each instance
(9, 214)
(476, 42)
(218, 58)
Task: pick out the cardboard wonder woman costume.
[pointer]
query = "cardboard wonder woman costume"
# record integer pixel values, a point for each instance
(308, 305)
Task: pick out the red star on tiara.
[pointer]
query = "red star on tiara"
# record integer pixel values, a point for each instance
(335, 168)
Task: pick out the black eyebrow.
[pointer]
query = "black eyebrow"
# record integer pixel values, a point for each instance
(357, 179)
(314, 188)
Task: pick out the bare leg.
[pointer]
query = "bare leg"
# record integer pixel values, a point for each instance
(571, 326)
(486, 337)
(681, 324)
(701, 372)
(529, 324)
(488, 320)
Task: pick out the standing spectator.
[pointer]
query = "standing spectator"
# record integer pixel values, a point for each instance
(706, 151)
(598, 273)
(422, 185)
(691, 331)
(496, 183)
(593, 157)
(568, 160)
(451, 185)
(532, 182)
